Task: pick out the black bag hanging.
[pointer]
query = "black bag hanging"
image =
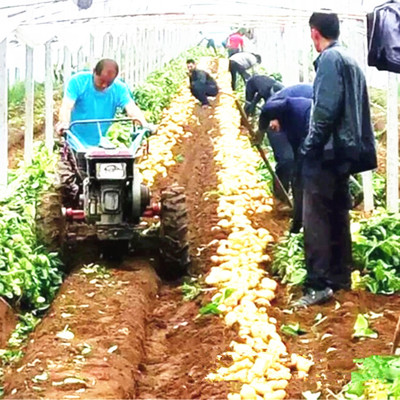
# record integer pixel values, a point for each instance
(383, 34)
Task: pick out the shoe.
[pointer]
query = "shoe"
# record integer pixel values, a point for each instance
(313, 297)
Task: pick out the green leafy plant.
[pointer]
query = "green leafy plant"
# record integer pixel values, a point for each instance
(376, 253)
(292, 330)
(377, 377)
(190, 290)
(13, 353)
(120, 134)
(362, 329)
(213, 306)
(288, 259)
(29, 275)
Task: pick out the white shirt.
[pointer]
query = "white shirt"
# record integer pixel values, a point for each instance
(245, 59)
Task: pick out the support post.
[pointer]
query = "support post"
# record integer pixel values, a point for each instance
(29, 104)
(3, 118)
(67, 70)
(392, 156)
(367, 177)
(49, 98)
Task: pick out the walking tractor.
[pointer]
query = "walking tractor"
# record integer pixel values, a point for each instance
(104, 199)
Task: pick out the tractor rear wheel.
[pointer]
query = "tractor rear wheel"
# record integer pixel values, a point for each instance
(49, 220)
(174, 243)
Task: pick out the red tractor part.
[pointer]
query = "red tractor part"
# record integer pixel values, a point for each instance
(152, 210)
(74, 215)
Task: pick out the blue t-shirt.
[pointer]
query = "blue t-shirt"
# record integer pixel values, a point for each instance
(91, 103)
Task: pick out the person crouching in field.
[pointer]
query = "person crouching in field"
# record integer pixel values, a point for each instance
(202, 84)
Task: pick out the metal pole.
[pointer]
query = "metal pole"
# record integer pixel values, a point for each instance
(392, 156)
(367, 179)
(67, 70)
(3, 118)
(49, 97)
(29, 104)
(91, 51)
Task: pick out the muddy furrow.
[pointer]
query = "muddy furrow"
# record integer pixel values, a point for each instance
(91, 342)
(181, 348)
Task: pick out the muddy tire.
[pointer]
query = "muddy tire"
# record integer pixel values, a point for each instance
(49, 220)
(67, 179)
(174, 244)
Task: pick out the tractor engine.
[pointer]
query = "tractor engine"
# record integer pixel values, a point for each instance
(112, 192)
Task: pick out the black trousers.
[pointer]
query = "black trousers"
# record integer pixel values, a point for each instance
(284, 157)
(201, 90)
(297, 191)
(327, 237)
(234, 69)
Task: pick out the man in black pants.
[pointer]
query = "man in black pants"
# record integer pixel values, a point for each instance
(239, 63)
(283, 152)
(340, 142)
(291, 116)
(201, 83)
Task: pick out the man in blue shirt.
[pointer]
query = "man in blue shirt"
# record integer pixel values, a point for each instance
(96, 95)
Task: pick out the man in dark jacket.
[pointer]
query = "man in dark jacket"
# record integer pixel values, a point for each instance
(201, 83)
(340, 142)
(291, 116)
(259, 87)
(283, 152)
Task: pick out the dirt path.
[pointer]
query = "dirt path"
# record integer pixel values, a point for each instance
(91, 342)
(182, 349)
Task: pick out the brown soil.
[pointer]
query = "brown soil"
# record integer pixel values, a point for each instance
(8, 321)
(330, 343)
(182, 348)
(107, 316)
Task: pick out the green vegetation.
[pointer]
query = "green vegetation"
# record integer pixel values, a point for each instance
(377, 377)
(376, 255)
(29, 275)
(16, 104)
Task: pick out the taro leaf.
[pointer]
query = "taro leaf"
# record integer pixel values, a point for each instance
(210, 308)
(190, 290)
(179, 158)
(362, 329)
(292, 330)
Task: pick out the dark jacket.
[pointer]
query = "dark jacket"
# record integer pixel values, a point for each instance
(341, 130)
(293, 114)
(200, 76)
(260, 87)
(304, 90)
(384, 37)
(299, 90)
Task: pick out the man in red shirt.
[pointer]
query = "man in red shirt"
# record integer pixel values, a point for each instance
(234, 43)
